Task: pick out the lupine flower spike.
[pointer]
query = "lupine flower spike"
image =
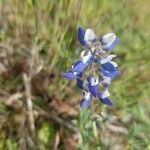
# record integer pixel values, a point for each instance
(96, 67)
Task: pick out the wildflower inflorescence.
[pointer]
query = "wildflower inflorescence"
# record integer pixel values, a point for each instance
(95, 70)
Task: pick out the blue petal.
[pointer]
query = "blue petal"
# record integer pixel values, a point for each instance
(108, 66)
(93, 90)
(81, 34)
(79, 83)
(79, 67)
(85, 103)
(76, 63)
(106, 100)
(69, 75)
(110, 74)
(79, 74)
(89, 79)
(96, 60)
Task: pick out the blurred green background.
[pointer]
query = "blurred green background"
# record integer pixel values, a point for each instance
(49, 26)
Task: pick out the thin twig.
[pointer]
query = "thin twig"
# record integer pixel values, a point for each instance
(22, 136)
(29, 104)
(56, 119)
(27, 83)
(117, 129)
(12, 101)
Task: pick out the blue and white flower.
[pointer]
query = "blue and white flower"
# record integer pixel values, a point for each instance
(86, 37)
(93, 85)
(94, 59)
(109, 41)
(85, 102)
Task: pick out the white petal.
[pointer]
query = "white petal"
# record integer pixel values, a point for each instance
(82, 54)
(110, 57)
(89, 36)
(114, 63)
(105, 94)
(87, 95)
(75, 73)
(106, 80)
(85, 84)
(94, 82)
(108, 39)
(107, 59)
(103, 61)
(86, 57)
(93, 49)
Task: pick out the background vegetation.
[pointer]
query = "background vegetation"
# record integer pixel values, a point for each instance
(38, 41)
